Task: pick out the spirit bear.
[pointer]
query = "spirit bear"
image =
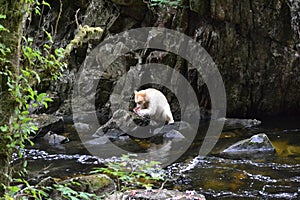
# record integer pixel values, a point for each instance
(151, 102)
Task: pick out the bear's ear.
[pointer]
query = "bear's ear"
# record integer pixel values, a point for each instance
(135, 91)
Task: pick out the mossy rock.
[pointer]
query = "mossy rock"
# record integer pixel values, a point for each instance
(98, 184)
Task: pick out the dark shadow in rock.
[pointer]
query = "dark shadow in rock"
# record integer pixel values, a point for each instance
(46, 123)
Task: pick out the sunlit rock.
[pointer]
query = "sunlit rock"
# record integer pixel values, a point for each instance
(173, 134)
(257, 145)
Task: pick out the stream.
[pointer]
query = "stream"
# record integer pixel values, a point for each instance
(275, 176)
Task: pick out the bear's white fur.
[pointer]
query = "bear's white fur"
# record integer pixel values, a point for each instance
(151, 102)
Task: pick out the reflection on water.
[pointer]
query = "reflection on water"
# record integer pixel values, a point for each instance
(226, 178)
(267, 177)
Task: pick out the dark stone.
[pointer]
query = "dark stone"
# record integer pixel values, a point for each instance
(117, 135)
(201, 7)
(233, 124)
(165, 129)
(55, 139)
(173, 134)
(256, 146)
(122, 119)
(46, 123)
(169, 132)
(114, 133)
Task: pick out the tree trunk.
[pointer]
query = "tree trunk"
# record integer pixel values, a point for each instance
(15, 12)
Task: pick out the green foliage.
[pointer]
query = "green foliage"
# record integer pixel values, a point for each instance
(28, 191)
(47, 63)
(67, 192)
(37, 66)
(2, 28)
(20, 74)
(4, 51)
(172, 3)
(60, 191)
(131, 173)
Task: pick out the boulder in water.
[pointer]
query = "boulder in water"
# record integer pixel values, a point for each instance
(55, 139)
(257, 145)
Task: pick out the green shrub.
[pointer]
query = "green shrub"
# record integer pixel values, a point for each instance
(23, 66)
(131, 173)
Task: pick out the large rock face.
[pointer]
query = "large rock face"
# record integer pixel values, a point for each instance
(255, 44)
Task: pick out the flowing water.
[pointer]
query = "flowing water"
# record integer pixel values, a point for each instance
(260, 177)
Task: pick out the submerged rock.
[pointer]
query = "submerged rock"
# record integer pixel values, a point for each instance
(55, 139)
(255, 146)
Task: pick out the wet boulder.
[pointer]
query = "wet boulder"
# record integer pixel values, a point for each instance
(55, 139)
(111, 135)
(173, 134)
(122, 120)
(256, 146)
(233, 123)
(170, 131)
(179, 126)
(125, 126)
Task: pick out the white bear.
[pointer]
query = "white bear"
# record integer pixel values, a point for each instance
(151, 102)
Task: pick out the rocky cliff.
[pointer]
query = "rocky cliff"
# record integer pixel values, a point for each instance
(255, 44)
